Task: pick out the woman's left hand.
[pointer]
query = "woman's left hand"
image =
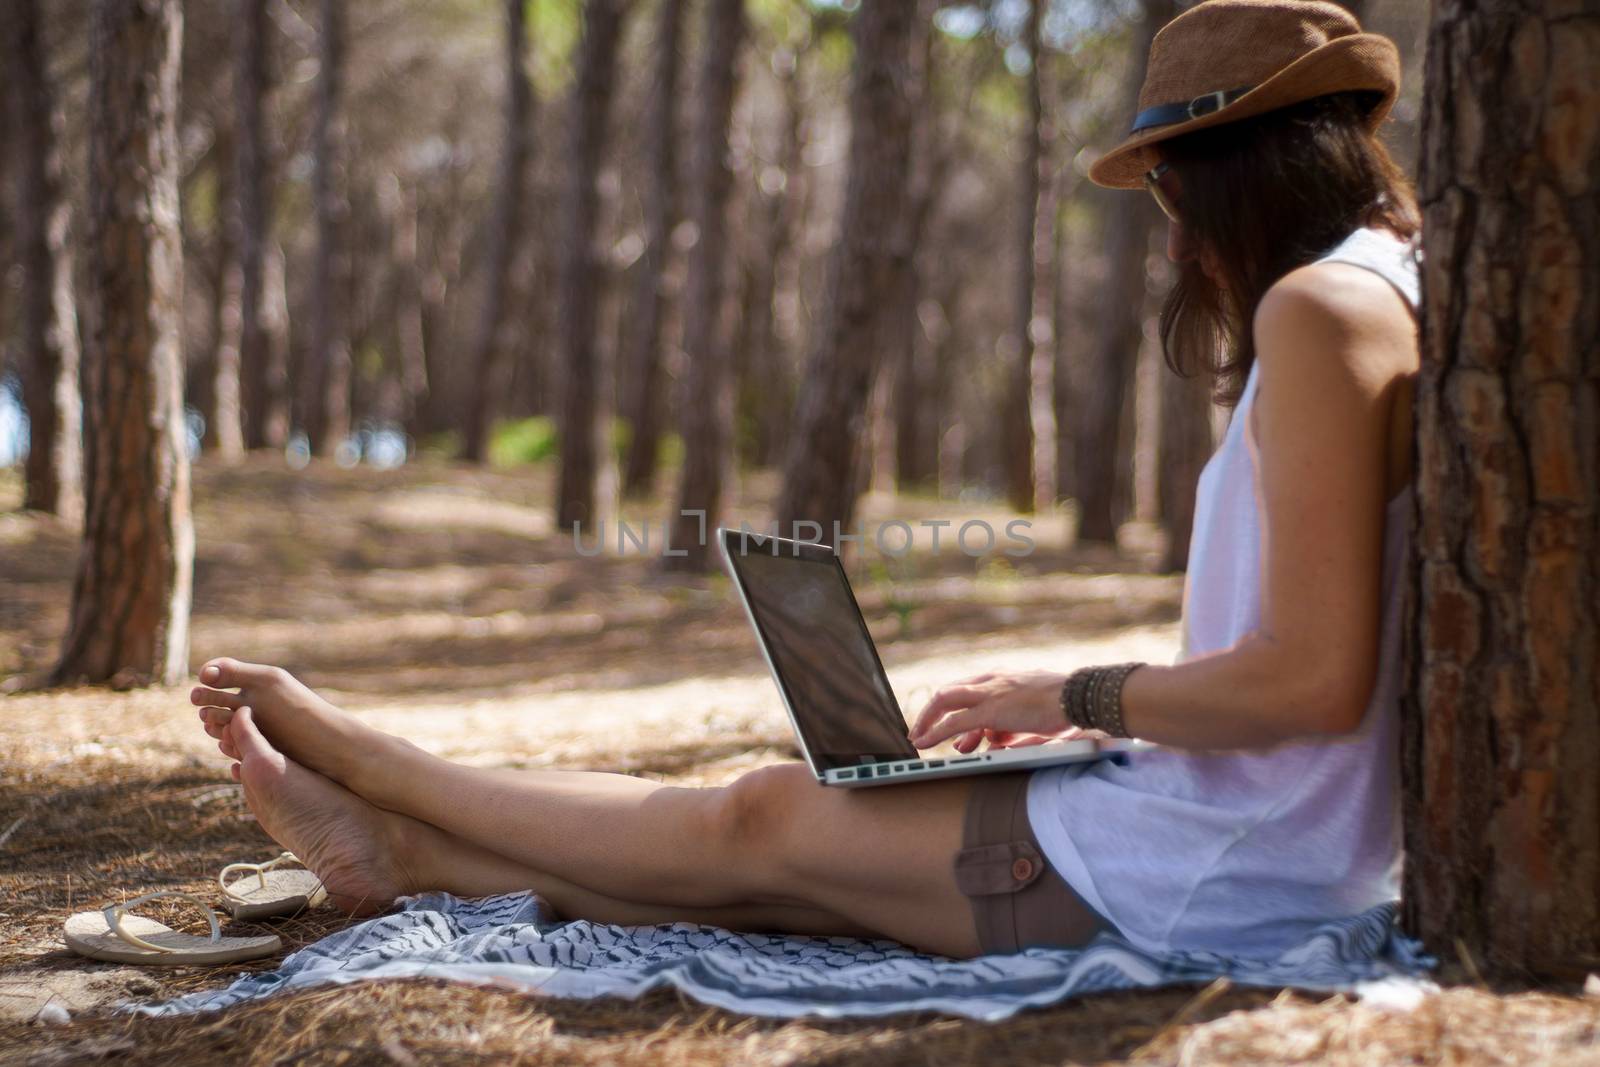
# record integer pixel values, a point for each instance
(1009, 709)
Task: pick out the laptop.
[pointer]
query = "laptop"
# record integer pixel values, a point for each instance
(816, 643)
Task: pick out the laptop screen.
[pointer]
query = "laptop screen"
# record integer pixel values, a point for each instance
(820, 650)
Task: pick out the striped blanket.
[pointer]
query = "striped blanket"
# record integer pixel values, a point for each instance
(511, 941)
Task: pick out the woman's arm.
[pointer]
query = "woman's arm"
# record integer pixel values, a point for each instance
(1334, 343)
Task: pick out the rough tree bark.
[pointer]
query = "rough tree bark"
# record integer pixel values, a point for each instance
(707, 414)
(327, 370)
(130, 601)
(1502, 723)
(47, 338)
(1102, 398)
(868, 260)
(263, 353)
(580, 277)
(642, 405)
(1016, 408)
(492, 371)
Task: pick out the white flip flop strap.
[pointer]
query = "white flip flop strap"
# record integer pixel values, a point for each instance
(258, 869)
(115, 913)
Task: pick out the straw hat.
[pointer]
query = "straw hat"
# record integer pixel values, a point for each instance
(1225, 60)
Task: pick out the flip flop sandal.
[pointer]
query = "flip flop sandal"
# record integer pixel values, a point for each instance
(271, 892)
(115, 935)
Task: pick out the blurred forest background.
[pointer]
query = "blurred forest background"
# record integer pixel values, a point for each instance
(474, 230)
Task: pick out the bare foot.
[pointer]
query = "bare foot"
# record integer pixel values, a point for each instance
(300, 723)
(353, 847)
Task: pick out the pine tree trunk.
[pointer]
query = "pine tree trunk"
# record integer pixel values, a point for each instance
(489, 356)
(224, 431)
(642, 404)
(869, 258)
(580, 274)
(410, 336)
(1101, 399)
(1067, 352)
(1502, 713)
(707, 414)
(130, 601)
(776, 346)
(766, 381)
(1016, 416)
(327, 371)
(48, 334)
(915, 449)
(264, 370)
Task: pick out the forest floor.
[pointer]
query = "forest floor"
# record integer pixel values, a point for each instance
(438, 603)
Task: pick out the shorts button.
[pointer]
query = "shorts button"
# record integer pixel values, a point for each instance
(1021, 869)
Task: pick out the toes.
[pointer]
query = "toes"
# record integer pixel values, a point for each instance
(248, 740)
(205, 696)
(226, 672)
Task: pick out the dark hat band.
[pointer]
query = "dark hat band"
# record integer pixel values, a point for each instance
(1183, 111)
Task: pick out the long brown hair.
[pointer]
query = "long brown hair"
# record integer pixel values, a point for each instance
(1263, 196)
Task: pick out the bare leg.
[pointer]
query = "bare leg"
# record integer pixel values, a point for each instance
(366, 856)
(880, 858)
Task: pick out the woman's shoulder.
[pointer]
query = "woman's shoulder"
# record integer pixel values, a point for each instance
(1339, 307)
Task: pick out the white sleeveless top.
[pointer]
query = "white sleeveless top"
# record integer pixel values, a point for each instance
(1243, 852)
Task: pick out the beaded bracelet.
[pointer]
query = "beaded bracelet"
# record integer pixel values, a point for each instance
(1091, 698)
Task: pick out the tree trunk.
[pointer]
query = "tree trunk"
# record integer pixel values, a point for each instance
(707, 414)
(915, 451)
(1185, 447)
(1067, 354)
(492, 377)
(641, 365)
(1102, 398)
(410, 336)
(868, 261)
(327, 396)
(130, 601)
(1016, 415)
(580, 276)
(48, 335)
(1502, 713)
(263, 363)
(766, 382)
(224, 431)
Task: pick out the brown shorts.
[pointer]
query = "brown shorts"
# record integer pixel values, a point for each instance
(1018, 899)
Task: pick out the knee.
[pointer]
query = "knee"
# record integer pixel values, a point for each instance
(756, 816)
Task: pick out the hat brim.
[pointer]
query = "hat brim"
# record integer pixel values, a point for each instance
(1360, 61)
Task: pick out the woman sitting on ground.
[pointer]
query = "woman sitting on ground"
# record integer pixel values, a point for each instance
(1272, 807)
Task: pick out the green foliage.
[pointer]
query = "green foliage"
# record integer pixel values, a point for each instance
(554, 27)
(201, 201)
(442, 446)
(524, 441)
(520, 442)
(369, 361)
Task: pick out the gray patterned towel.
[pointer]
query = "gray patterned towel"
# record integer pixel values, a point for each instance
(510, 941)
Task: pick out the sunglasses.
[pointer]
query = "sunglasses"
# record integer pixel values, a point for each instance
(1152, 182)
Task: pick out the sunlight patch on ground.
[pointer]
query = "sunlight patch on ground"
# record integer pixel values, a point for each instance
(435, 508)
